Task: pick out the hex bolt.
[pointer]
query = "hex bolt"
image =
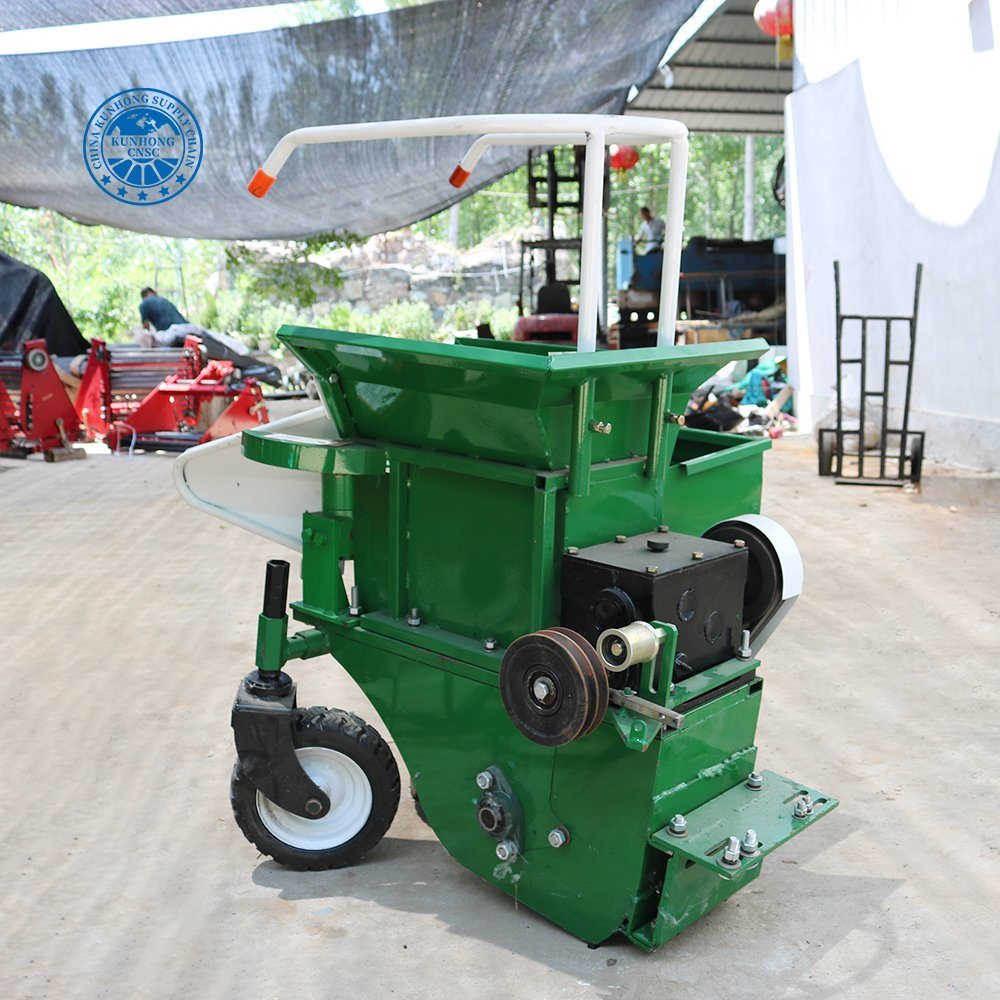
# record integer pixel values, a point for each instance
(558, 837)
(489, 645)
(678, 826)
(620, 539)
(749, 846)
(506, 850)
(697, 555)
(662, 528)
(731, 854)
(755, 781)
(314, 807)
(739, 543)
(484, 780)
(354, 609)
(803, 807)
(572, 551)
(744, 652)
(413, 619)
(652, 570)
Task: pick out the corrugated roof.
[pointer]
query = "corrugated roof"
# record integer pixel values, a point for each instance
(725, 76)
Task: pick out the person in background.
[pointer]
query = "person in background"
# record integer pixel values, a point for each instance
(159, 315)
(651, 231)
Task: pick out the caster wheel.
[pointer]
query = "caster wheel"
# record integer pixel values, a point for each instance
(916, 460)
(826, 453)
(354, 766)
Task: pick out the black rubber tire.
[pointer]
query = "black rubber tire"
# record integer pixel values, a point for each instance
(353, 737)
(827, 453)
(916, 460)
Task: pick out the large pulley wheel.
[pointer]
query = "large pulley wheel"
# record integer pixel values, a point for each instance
(553, 689)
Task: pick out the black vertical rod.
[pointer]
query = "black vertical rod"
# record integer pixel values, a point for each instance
(861, 400)
(840, 372)
(909, 370)
(884, 440)
(275, 588)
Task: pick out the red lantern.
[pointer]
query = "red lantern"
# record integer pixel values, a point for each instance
(623, 158)
(774, 17)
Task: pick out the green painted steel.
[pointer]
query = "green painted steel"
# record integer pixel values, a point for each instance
(462, 474)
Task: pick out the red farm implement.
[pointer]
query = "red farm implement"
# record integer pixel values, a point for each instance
(36, 413)
(167, 399)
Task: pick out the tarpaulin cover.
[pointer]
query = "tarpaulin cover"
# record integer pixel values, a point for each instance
(447, 58)
(30, 309)
(51, 13)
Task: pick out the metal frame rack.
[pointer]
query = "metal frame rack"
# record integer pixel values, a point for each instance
(831, 439)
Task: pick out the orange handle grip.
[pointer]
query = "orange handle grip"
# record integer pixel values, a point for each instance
(260, 184)
(458, 176)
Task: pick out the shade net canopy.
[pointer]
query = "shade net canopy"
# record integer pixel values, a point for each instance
(448, 58)
(15, 14)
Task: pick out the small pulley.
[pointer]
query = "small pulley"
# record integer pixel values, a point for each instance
(553, 686)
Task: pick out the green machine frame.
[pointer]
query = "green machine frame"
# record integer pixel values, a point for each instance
(459, 477)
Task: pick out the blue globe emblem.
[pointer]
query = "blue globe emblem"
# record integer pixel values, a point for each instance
(142, 146)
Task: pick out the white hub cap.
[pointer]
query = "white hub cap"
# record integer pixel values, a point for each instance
(350, 795)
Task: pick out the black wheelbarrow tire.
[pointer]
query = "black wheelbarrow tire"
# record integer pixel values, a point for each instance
(355, 767)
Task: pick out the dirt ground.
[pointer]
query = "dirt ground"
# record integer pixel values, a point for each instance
(128, 619)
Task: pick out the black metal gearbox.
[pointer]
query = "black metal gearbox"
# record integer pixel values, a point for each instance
(696, 584)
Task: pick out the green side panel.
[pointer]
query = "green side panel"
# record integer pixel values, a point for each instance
(371, 540)
(712, 476)
(448, 727)
(468, 553)
(689, 892)
(713, 751)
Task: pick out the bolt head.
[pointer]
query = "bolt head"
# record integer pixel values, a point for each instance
(620, 539)
(678, 825)
(750, 846)
(506, 850)
(314, 807)
(803, 807)
(739, 543)
(697, 555)
(484, 780)
(731, 854)
(557, 837)
(662, 529)
(543, 691)
(755, 781)
(489, 645)
(572, 551)
(652, 570)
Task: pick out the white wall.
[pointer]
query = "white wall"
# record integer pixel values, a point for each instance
(894, 159)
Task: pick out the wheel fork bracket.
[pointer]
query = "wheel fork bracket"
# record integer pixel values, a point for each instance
(262, 728)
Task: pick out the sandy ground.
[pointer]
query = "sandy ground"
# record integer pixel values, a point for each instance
(128, 619)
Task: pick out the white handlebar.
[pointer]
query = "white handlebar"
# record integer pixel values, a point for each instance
(596, 131)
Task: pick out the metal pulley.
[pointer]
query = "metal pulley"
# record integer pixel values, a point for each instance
(553, 686)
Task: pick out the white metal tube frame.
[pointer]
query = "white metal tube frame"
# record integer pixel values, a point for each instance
(595, 131)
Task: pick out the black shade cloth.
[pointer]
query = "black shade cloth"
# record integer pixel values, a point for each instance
(30, 309)
(16, 14)
(446, 58)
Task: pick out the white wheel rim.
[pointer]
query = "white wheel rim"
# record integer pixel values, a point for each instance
(350, 794)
